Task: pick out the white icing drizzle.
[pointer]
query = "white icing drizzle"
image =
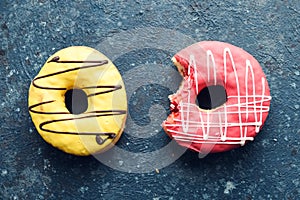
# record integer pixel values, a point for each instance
(185, 123)
(227, 51)
(205, 137)
(193, 62)
(247, 108)
(210, 55)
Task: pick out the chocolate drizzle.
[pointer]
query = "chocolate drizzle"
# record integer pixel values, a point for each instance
(56, 59)
(91, 114)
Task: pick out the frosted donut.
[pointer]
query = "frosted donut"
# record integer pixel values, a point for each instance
(78, 101)
(223, 101)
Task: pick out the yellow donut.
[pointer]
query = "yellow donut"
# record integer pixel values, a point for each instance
(94, 120)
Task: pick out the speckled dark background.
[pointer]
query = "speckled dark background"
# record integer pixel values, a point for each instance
(32, 30)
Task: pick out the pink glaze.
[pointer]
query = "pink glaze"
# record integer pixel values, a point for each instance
(235, 122)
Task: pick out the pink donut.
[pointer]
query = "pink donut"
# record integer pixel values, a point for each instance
(223, 101)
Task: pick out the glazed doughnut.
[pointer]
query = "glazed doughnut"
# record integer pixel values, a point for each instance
(78, 101)
(223, 101)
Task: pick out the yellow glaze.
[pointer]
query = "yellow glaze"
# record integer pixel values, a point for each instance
(106, 74)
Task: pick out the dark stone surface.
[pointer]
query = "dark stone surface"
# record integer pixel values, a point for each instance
(32, 30)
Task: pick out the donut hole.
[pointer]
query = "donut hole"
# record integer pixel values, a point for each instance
(211, 97)
(76, 101)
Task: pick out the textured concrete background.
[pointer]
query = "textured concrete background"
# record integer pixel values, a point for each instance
(268, 168)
